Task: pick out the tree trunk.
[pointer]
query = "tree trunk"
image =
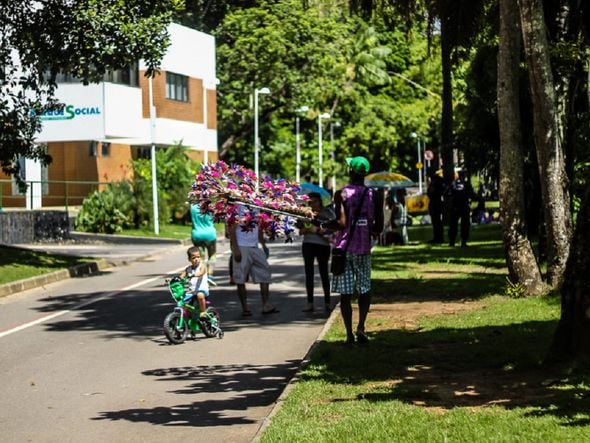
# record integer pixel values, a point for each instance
(447, 102)
(554, 183)
(521, 260)
(572, 337)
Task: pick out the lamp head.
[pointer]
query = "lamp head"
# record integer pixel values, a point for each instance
(325, 115)
(414, 135)
(263, 91)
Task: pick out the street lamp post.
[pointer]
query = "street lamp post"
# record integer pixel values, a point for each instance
(205, 150)
(325, 115)
(333, 124)
(414, 135)
(298, 144)
(153, 155)
(256, 139)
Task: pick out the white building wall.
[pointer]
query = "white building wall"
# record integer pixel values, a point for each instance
(123, 111)
(113, 112)
(191, 53)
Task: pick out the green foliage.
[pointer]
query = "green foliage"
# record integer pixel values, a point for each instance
(322, 58)
(176, 173)
(83, 38)
(514, 290)
(104, 211)
(129, 204)
(298, 54)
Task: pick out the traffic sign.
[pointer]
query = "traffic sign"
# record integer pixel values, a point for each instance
(428, 155)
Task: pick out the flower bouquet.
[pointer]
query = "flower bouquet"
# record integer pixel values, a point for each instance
(220, 188)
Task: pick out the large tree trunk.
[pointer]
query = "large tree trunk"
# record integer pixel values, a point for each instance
(521, 260)
(447, 102)
(554, 183)
(572, 337)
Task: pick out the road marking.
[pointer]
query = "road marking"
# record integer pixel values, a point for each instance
(82, 305)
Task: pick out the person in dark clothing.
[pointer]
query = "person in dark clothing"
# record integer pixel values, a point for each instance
(461, 193)
(316, 245)
(435, 207)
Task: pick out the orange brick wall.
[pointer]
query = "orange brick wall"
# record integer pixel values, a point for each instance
(199, 156)
(191, 111)
(211, 109)
(117, 166)
(8, 200)
(72, 162)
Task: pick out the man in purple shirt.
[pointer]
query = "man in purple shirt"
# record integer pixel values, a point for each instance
(359, 216)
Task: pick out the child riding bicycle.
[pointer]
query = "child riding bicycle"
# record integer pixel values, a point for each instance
(198, 282)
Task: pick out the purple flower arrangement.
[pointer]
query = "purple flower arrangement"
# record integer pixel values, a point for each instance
(219, 189)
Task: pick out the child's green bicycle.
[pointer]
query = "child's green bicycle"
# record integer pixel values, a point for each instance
(186, 317)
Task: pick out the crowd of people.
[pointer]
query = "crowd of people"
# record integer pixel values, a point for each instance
(450, 203)
(349, 224)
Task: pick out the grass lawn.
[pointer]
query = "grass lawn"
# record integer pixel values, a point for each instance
(451, 358)
(175, 231)
(17, 264)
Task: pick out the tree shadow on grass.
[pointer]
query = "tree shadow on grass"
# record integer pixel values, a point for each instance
(447, 368)
(476, 286)
(219, 394)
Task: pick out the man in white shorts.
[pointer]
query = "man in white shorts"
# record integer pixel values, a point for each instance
(250, 259)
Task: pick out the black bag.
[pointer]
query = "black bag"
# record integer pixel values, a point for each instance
(338, 262)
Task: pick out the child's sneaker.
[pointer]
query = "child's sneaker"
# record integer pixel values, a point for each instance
(211, 281)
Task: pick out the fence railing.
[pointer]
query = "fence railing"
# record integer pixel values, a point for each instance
(60, 193)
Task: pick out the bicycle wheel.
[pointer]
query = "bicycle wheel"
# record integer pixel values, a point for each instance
(173, 333)
(211, 326)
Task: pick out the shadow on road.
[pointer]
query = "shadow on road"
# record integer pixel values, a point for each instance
(245, 386)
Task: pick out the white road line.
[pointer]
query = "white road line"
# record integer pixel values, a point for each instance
(82, 305)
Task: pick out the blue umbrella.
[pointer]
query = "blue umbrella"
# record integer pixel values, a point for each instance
(310, 188)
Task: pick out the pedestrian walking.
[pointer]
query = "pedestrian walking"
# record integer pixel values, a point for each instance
(316, 246)
(435, 194)
(359, 216)
(249, 252)
(204, 236)
(461, 193)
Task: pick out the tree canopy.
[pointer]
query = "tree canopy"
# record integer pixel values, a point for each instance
(83, 38)
(322, 58)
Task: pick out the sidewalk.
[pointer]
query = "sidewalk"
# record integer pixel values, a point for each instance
(109, 251)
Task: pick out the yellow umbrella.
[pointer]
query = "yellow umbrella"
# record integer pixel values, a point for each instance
(387, 179)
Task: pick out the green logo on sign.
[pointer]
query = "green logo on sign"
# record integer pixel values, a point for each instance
(69, 112)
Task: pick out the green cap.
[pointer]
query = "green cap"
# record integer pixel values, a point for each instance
(359, 165)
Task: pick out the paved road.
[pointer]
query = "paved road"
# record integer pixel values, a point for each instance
(85, 359)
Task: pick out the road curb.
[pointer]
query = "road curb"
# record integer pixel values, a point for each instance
(90, 267)
(51, 277)
(291, 384)
(124, 239)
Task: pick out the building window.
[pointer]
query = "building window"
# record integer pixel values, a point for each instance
(105, 150)
(18, 186)
(176, 87)
(128, 76)
(92, 150)
(144, 152)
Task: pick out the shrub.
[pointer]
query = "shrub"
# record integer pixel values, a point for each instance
(106, 211)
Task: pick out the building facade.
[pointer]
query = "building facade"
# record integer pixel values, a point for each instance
(103, 126)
